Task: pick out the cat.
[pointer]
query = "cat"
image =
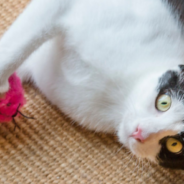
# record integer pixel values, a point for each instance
(112, 66)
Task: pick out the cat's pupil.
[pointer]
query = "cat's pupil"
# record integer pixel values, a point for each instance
(164, 103)
(174, 144)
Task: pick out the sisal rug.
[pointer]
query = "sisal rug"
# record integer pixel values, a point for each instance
(53, 150)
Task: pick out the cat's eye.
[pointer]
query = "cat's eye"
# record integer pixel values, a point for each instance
(173, 145)
(163, 102)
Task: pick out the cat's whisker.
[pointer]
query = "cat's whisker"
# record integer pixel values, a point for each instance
(149, 166)
(119, 150)
(128, 156)
(142, 168)
(129, 152)
(133, 172)
(130, 159)
(135, 168)
(138, 167)
(72, 122)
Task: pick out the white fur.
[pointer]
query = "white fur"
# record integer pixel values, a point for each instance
(99, 61)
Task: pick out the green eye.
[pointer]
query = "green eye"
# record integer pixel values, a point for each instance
(163, 103)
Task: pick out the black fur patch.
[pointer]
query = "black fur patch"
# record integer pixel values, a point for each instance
(178, 8)
(168, 81)
(172, 83)
(181, 67)
(168, 159)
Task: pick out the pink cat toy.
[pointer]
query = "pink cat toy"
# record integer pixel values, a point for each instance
(12, 101)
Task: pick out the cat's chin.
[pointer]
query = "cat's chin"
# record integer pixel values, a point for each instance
(143, 150)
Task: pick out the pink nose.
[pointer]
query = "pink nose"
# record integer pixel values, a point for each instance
(138, 135)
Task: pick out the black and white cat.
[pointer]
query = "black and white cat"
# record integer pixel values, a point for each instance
(111, 65)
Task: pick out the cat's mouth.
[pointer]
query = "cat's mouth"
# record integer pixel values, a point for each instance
(167, 151)
(148, 149)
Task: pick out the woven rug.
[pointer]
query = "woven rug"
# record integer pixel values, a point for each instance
(53, 150)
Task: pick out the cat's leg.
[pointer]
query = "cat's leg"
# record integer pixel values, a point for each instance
(38, 23)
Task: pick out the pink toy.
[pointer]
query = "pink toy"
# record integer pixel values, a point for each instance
(13, 100)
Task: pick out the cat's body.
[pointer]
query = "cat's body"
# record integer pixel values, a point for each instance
(100, 62)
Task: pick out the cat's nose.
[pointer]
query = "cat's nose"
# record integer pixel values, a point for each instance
(138, 135)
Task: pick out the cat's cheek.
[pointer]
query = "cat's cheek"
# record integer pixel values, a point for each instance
(123, 134)
(126, 139)
(134, 146)
(147, 150)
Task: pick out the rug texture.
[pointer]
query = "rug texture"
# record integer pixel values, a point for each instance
(53, 150)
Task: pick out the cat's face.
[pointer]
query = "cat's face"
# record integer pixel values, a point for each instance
(154, 120)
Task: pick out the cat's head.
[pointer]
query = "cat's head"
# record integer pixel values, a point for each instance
(153, 124)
